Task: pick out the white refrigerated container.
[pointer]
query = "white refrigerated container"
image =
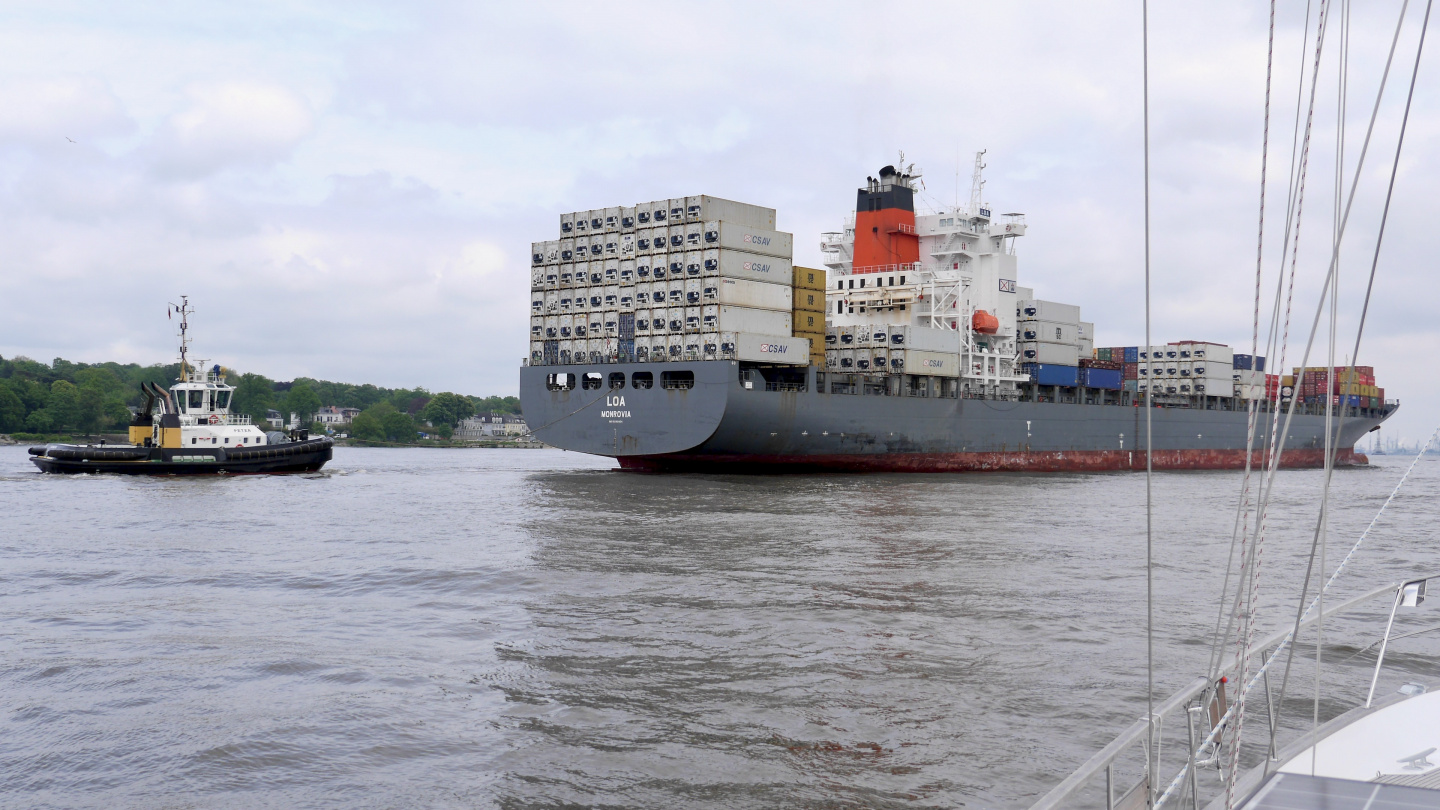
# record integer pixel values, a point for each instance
(737, 236)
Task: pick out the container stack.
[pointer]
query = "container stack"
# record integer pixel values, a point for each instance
(1097, 373)
(1050, 333)
(808, 311)
(690, 278)
(1129, 359)
(893, 349)
(1355, 388)
(1206, 366)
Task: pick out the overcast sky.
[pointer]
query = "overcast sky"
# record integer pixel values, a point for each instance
(348, 191)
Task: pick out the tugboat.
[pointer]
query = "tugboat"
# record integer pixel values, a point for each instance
(189, 430)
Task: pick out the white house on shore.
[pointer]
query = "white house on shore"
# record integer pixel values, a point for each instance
(490, 425)
(334, 415)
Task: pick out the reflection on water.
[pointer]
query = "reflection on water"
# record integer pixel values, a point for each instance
(531, 628)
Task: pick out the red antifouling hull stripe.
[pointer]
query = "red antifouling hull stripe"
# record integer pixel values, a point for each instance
(1028, 461)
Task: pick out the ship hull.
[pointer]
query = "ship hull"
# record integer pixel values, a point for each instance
(720, 424)
(298, 457)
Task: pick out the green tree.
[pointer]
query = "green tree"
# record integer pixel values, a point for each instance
(39, 421)
(90, 409)
(12, 410)
(383, 422)
(367, 427)
(447, 409)
(63, 404)
(399, 427)
(116, 413)
(254, 396)
(32, 393)
(99, 379)
(497, 405)
(444, 430)
(302, 401)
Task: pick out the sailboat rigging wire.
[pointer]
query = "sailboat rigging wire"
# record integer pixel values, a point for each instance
(1332, 440)
(1334, 260)
(1286, 642)
(1245, 634)
(1215, 647)
(1240, 535)
(1149, 448)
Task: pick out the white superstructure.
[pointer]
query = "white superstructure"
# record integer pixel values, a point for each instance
(967, 266)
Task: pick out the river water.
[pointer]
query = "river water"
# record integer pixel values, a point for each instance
(513, 629)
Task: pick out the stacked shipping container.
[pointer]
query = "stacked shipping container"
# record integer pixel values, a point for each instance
(808, 312)
(690, 278)
(893, 349)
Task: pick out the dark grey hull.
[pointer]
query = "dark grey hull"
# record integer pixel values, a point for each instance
(721, 424)
(292, 457)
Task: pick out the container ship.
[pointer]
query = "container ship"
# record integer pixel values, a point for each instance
(679, 335)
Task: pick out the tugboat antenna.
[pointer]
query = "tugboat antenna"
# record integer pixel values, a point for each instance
(184, 309)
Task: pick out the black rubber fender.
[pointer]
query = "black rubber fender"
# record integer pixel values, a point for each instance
(282, 450)
(70, 452)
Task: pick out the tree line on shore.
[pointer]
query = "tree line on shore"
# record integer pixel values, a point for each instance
(93, 397)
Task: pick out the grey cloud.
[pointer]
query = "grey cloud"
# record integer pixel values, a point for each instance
(384, 205)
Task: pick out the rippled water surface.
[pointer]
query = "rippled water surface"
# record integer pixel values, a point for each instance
(493, 628)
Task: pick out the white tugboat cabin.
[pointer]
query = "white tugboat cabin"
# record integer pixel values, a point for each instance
(202, 401)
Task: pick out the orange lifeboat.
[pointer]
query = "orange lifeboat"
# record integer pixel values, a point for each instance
(984, 323)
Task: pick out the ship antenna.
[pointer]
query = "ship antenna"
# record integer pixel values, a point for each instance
(977, 185)
(183, 310)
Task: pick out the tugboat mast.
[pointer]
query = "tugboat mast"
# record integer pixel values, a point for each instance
(184, 309)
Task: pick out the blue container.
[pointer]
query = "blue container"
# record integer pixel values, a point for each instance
(627, 349)
(1132, 354)
(1051, 374)
(1249, 362)
(1100, 378)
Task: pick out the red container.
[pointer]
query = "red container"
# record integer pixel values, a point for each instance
(1131, 371)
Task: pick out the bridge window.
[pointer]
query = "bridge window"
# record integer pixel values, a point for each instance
(642, 379)
(677, 379)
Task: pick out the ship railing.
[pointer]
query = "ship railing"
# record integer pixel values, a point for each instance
(1207, 713)
(911, 267)
(785, 386)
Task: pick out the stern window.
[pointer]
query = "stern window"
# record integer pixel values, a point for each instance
(677, 379)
